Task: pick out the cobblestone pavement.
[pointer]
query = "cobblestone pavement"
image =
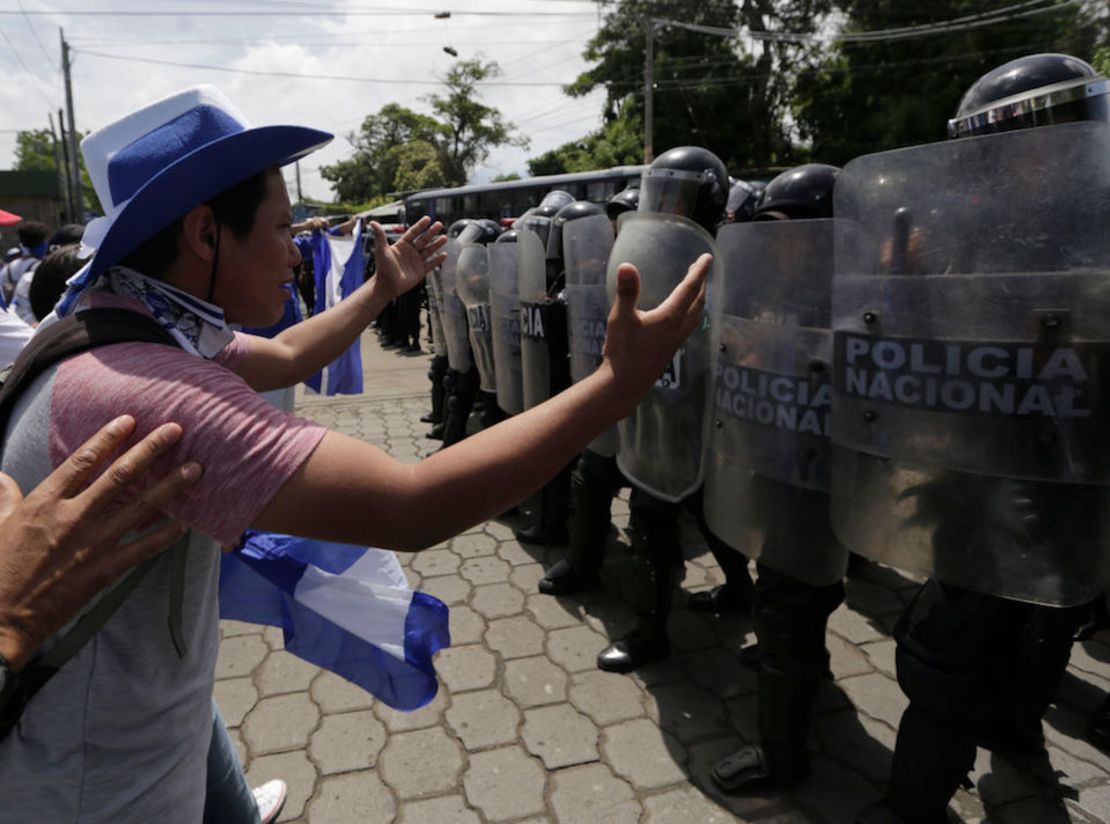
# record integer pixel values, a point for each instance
(526, 729)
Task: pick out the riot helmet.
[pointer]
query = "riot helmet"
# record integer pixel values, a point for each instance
(538, 219)
(743, 198)
(623, 201)
(802, 193)
(481, 231)
(572, 211)
(1035, 90)
(507, 237)
(456, 228)
(689, 181)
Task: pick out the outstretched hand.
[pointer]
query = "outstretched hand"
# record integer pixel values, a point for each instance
(404, 264)
(63, 544)
(638, 344)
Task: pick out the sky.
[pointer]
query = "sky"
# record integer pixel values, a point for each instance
(394, 48)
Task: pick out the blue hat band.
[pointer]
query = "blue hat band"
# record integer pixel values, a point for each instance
(141, 160)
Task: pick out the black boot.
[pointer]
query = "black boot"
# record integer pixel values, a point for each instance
(554, 504)
(435, 375)
(460, 388)
(932, 757)
(592, 492)
(782, 756)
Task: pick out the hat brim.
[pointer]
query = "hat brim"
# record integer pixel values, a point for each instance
(196, 178)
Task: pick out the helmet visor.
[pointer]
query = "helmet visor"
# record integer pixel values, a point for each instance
(1063, 103)
(670, 191)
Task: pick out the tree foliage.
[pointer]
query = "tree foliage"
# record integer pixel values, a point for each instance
(618, 143)
(34, 152)
(398, 149)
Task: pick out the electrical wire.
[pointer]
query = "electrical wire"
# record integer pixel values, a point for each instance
(382, 12)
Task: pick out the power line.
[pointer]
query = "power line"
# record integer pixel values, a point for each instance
(35, 34)
(382, 12)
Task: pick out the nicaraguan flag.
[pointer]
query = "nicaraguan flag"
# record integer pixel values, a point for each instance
(338, 264)
(345, 608)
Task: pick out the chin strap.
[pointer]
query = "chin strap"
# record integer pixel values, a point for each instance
(215, 265)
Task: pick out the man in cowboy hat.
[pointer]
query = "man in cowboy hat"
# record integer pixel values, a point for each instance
(197, 237)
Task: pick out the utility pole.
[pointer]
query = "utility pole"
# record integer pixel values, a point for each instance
(649, 85)
(60, 167)
(297, 167)
(75, 170)
(64, 135)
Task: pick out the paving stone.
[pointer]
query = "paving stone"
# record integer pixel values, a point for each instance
(684, 805)
(433, 562)
(295, 770)
(514, 554)
(526, 577)
(283, 672)
(517, 637)
(334, 694)
(487, 570)
(281, 723)
(854, 627)
(420, 763)
(658, 673)
(465, 668)
(592, 794)
(230, 629)
(834, 792)
(351, 741)
(466, 625)
(235, 697)
(881, 655)
(643, 754)
(497, 600)
(239, 655)
(430, 715)
(858, 742)
(1095, 801)
(450, 809)
(474, 546)
(560, 735)
(575, 649)
(1065, 729)
(504, 784)
(274, 638)
(499, 531)
(483, 719)
(606, 697)
(533, 682)
(354, 797)
(451, 589)
(877, 696)
(998, 781)
(718, 670)
(686, 710)
(554, 613)
(845, 660)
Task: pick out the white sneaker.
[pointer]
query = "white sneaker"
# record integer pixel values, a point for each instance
(270, 798)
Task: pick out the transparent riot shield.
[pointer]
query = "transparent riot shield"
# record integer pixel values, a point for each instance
(505, 307)
(472, 279)
(435, 320)
(534, 318)
(767, 451)
(660, 442)
(972, 348)
(453, 312)
(586, 246)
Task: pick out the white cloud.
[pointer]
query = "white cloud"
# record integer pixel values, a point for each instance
(394, 48)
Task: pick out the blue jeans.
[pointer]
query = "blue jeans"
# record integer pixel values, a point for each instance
(228, 799)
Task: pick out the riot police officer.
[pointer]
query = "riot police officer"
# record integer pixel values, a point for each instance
(1002, 501)
(504, 298)
(767, 485)
(460, 382)
(473, 283)
(544, 354)
(681, 202)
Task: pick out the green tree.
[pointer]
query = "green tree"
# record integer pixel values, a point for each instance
(419, 166)
(34, 152)
(865, 97)
(472, 128)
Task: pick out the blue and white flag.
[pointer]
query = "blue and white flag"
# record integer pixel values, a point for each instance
(345, 608)
(338, 264)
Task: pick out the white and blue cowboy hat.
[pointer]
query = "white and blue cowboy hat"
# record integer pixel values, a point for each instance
(153, 165)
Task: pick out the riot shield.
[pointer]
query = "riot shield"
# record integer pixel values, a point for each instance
(435, 320)
(472, 279)
(660, 442)
(453, 312)
(534, 318)
(586, 246)
(767, 449)
(505, 307)
(970, 306)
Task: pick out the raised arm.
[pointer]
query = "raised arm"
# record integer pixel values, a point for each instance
(350, 491)
(307, 347)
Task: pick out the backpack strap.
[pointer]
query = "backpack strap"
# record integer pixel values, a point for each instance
(70, 336)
